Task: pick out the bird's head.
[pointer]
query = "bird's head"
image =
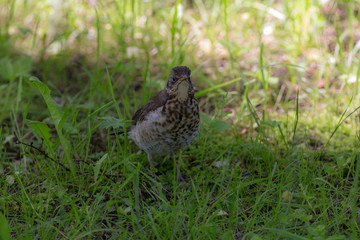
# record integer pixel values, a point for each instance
(179, 83)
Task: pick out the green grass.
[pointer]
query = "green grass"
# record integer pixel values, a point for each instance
(277, 153)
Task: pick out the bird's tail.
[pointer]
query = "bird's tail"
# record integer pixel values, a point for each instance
(120, 132)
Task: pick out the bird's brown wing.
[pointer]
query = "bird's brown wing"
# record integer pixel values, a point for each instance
(155, 102)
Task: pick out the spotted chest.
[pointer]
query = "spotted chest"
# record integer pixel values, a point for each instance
(169, 128)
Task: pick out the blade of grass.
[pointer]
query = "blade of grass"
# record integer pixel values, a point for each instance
(286, 234)
(261, 60)
(357, 79)
(177, 53)
(97, 110)
(283, 137)
(340, 122)
(19, 92)
(146, 92)
(296, 115)
(253, 112)
(97, 41)
(216, 87)
(56, 117)
(227, 33)
(173, 28)
(353, 196)
(112, 94)
(4, 228)
(10, 16)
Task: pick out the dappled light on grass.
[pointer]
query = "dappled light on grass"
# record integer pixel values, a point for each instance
(276, 156)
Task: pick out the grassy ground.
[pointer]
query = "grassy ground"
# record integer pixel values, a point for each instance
(278, 149)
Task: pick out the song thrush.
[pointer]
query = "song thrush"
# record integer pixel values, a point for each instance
(169, 121)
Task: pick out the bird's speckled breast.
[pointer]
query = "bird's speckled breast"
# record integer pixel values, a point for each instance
(168, 128)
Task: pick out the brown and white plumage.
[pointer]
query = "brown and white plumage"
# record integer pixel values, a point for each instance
(169, 121)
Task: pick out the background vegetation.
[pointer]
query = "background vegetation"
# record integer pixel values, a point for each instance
(277, 153)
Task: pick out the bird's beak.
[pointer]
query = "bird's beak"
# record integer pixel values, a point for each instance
(187, 79)
(183, 87)
(183, 83)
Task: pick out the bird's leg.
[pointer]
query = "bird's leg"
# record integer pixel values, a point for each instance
(152, 166)
(180, 178)
(152, 173)
(150, 160)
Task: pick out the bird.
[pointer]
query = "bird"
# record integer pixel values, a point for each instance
(169, 121)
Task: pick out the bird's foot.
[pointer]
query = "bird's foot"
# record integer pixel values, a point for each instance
(156, 182)
(181, 178)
